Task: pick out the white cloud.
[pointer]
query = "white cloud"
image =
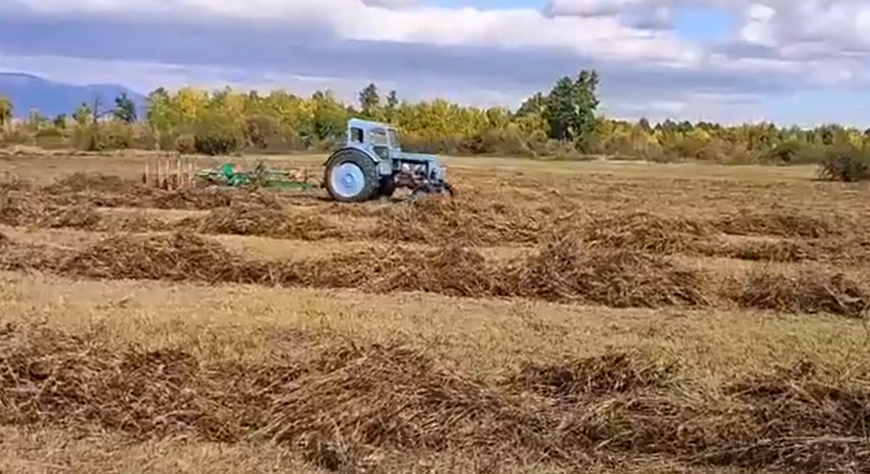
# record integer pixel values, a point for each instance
(355, 20)
(777, 47)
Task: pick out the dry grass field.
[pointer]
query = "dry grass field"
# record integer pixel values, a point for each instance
(553, 318)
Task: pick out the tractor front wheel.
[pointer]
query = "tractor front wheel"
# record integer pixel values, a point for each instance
(351, 176)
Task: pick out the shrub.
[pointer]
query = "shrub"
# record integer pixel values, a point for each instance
(216, 135)
(50, 138)
(846, 163)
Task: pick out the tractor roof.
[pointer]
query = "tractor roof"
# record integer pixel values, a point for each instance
(367, 124)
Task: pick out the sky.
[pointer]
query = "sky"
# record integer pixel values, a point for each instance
(800, 62)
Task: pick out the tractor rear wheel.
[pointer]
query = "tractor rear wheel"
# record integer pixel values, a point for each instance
(351, 176)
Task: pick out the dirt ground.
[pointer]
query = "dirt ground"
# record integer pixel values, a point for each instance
(553, 317)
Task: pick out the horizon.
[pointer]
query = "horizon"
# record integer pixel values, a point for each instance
(20, 114)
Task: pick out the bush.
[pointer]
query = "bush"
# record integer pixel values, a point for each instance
(791, 152)
(184, 144)
(216, 135)
(102, 139)
(847, 164)
(50, 138)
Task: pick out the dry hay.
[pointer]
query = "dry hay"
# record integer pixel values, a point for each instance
(811, 290)
(780, 222)
(18, 208)
(53, 378)
(90, 182)
(346, 406)
(174, 257)
(26, 209)
(768, 251)
(207, 199)
(136, 223)
(451, 270)
(579, 380)
(842, 251)
(17, 256)
(247, 219)
(616, 278)
(83, 217)
(12, 182)
(559, 272)
(112, 191)
(798, 421)
(438, 221)
(644, 231)
(398, 400)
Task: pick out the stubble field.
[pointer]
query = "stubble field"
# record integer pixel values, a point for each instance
(554, 317)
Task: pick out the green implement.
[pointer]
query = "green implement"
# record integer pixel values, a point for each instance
(229, 175)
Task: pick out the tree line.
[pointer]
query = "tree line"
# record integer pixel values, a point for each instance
(562, 123)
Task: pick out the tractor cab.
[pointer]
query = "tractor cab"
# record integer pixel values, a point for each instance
(378, 138)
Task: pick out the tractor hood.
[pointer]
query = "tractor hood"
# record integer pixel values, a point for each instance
(404, 155)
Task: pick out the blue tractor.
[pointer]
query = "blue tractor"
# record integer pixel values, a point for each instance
(371, 164)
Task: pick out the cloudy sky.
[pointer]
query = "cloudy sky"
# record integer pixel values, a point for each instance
(790, 61)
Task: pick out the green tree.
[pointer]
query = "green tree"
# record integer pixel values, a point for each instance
(585, 103)
(83, 114)
(561, 110)
(329, 116)
(370, 101)
(160, 114)
(392, 106)
(125, 108)
(533, 105)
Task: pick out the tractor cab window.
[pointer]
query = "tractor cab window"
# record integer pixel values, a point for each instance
(356, 135)
(378, 136)
(394, 138)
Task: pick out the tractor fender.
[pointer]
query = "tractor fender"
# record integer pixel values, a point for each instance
(385, 168)
(351, 149)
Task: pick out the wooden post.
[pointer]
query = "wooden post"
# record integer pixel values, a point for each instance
(160, 171)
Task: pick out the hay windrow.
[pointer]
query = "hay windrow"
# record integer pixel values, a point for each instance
(558, 272)
(246, 219)
(82, 217)
(111, 191)
(389, 398)
(439, 222)
(19, 208)
(74, 381)
(575, 381)
(811, 290)
(647, 232)
(782, 223)
(23, 209)
(13, 182)
(617, 278)
(175, 257)
(90, 182)
(209, 198)
(347, 404)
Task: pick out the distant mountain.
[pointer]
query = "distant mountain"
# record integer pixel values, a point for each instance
(52, 98)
